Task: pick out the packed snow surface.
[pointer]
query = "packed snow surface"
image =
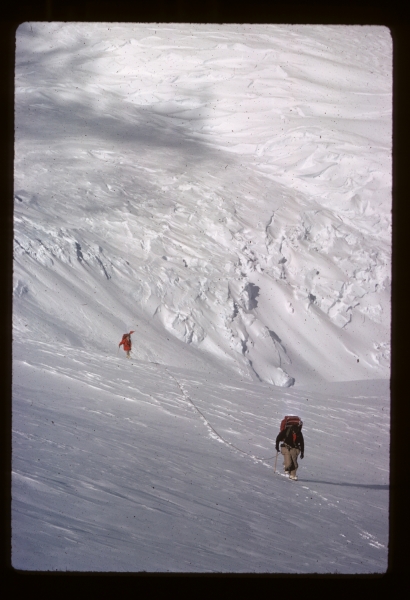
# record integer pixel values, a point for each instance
(225, 192)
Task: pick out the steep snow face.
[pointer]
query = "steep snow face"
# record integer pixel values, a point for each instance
(223, 190)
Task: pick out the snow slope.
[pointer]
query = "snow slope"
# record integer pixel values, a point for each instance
(133, 466)
(224, 191)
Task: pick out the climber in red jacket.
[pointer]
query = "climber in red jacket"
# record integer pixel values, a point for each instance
(126, 342)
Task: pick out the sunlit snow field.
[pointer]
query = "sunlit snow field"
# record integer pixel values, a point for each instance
(225, 192)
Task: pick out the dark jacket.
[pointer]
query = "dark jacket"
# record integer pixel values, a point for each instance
(286, 436)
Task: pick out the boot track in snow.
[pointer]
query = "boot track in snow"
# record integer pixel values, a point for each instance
(214, 434)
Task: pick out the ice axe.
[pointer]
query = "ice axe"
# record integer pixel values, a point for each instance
(276, 460)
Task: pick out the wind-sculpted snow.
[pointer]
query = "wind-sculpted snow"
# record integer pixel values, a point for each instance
(179, 181)
(225, 192)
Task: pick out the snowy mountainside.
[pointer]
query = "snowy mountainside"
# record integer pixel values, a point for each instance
(178, 185)
(225, 192)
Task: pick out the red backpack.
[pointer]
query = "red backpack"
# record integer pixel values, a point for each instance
(288, 422)
(291, 420)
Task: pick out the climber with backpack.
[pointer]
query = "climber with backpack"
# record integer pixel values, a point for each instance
(126, 342)
(292, 444)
